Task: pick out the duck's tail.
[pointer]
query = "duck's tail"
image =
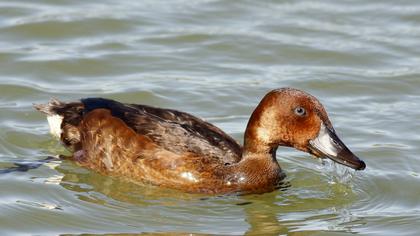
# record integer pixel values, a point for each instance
(54, 119)
(63, 119)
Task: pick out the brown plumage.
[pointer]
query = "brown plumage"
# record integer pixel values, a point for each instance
(174, 149)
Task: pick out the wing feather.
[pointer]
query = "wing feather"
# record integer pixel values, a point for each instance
(172, 130)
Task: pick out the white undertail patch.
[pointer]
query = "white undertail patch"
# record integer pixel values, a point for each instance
(54, 121)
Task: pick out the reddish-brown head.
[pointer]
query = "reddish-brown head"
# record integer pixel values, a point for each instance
(291, 117)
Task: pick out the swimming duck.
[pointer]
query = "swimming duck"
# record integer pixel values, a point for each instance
(174, 149)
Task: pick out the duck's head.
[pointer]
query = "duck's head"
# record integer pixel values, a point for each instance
(291, 117)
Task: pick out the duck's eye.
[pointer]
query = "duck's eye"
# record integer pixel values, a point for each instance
(300, 111)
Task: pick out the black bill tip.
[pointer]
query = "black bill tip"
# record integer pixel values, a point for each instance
(361, 165)
(327, 144)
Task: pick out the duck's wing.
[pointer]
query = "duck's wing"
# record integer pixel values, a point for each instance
(175, 131)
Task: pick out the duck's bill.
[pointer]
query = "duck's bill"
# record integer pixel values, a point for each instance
(327, 144)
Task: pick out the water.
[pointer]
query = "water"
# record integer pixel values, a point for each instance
(215, 59)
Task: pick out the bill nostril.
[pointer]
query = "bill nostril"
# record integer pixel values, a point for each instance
(334, 142)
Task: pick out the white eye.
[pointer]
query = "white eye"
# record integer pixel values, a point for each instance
(300, 111)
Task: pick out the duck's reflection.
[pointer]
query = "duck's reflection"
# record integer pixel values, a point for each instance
(263, 219)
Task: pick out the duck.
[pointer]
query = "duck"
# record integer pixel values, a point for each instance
(177, 150)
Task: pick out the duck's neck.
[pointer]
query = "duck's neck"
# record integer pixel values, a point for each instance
(257, 138)
(261, 154)
(259, 166)
(257, 172)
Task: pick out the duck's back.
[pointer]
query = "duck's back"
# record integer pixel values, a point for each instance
(170, 130)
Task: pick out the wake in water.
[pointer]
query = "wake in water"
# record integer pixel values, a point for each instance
(24, 166)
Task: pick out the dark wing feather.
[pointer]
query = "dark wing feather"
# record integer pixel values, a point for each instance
(172, 130)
